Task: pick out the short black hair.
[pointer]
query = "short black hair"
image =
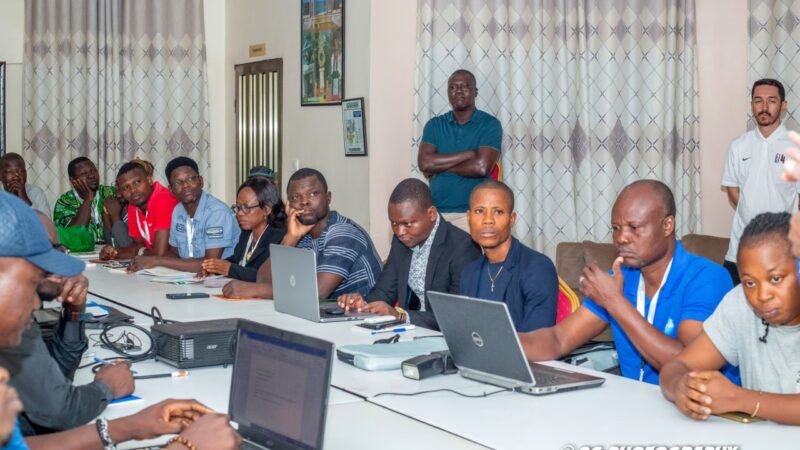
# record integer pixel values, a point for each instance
(74, 164)
(268, 196)
(494, 184)
(8, 157)
(412, 189)
(306, 172)
(129, 167)
(664, 193)
(765, 226)
(180, 161)
(769, 82)
(467, 73)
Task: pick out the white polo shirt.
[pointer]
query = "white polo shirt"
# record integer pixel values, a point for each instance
(755, 165)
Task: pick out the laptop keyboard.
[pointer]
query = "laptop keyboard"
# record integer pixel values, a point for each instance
(550, 376)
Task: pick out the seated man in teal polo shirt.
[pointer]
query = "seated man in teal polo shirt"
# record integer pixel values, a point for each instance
(655, 299)
(459, 149)
(202, 226)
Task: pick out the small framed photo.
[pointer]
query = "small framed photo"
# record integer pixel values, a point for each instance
(354, 127)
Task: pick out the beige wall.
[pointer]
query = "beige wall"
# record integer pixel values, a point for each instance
(12, 29)
(722, 67)
(312, 136)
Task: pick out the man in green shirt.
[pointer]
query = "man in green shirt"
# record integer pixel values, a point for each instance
(83, 205)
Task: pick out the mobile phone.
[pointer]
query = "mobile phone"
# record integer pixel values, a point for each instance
(740, 417)
(381, 325)
(186, 295)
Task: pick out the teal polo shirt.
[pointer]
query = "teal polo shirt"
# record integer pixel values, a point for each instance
(451, 191)
(694, 288)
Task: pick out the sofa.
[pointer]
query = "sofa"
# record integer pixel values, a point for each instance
(572, 257)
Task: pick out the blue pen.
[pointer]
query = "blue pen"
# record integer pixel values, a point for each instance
(106, 362)
(393, 330)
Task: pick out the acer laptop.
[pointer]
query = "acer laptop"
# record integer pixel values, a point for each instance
(485, 347)
(294, 287)
(279, 388)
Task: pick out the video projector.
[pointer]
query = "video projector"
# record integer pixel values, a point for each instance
(196, 344)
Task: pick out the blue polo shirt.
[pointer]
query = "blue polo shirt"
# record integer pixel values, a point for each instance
(345, 249)
(213, 225)
(693, 289)
(16, 442)
(451, 191)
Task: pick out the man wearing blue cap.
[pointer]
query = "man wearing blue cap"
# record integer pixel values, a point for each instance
(25, 258)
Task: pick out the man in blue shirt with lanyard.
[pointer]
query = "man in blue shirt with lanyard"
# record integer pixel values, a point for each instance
(655, 298)
(202, 226)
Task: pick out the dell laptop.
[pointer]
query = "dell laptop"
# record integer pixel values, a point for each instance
(485, 347)
(294, 287)
(279, 388)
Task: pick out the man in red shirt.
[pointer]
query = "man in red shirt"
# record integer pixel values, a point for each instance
(150, 208)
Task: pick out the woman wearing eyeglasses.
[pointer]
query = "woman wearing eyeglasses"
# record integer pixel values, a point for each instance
(262, 217)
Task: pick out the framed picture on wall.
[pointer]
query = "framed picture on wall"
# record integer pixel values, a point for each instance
(321, 52)
(354, 127)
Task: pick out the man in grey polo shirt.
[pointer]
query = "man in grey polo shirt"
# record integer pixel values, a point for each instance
(14, 179)
(752, 172)
(459, 149)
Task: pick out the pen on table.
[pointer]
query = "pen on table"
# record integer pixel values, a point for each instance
(393, 330)
(106, 362)
(177, 374)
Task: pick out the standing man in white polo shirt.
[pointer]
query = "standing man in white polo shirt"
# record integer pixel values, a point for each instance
(752, 172)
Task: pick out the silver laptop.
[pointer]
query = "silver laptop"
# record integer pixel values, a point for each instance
(279, 388)
(294, 287)
(485, 347)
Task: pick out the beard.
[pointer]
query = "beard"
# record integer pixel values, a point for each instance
(308, 220)
(766, 119)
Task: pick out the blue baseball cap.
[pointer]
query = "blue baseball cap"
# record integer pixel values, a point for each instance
(22, 235)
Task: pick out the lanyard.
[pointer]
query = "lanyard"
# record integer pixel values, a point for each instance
(190, 235)
(144, 231)
(249, 250)
(650, 314)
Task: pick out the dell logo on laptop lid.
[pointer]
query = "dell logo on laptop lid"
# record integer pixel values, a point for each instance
(477, 339)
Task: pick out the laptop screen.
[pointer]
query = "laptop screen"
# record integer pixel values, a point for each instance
(279, 389)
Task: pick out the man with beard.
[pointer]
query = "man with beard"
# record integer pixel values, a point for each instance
(655, 299)
(347, 261)
(14, 180)
(459, 149)
(752, 172)
(83, 205)
(150, 208)
(202, 226)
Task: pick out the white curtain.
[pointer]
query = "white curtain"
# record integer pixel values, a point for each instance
(113, 80)
(592, 95)
(774, 51)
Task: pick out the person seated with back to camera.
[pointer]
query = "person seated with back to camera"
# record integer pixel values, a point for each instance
(261, 215)
(428, 253)
(150, 207)
(26, 259)
(202, 226)
(51, 363)
(655, 298)
(756, 327)
(509, 272)
(346, 257)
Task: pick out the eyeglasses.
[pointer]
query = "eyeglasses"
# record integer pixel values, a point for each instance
(178, 184)
(244, 208)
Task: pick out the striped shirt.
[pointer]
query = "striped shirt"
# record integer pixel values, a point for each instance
(345, 249)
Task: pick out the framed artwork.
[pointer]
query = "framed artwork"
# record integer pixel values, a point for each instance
(2, 108)
(321, 52)
(354, 127)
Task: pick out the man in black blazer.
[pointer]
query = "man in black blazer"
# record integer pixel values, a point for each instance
(428, 253)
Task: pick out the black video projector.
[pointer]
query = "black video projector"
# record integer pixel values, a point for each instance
(196, 344)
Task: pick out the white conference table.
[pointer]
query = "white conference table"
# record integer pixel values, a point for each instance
(622, 411)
